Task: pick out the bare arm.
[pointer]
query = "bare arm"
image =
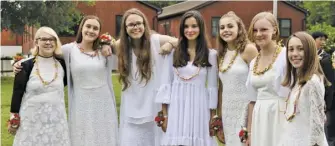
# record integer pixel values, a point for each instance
(250, 52)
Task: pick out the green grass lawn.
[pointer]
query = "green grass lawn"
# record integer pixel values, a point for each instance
(6, 93)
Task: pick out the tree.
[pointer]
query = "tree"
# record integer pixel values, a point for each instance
(58, 15)
(162, 4)
(320, 11)
(326, 28)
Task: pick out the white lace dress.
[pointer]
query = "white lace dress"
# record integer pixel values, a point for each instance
(92, 110)
(234, 103)
(307, 126)
(138, 108)
(42, 111)
(189, 102)
(268, 113)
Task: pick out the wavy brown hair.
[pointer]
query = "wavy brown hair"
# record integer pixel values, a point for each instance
(311, 64)
(181, 56)
(79, 37)
(125, 51)
(241, 39)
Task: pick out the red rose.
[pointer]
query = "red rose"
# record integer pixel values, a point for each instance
(241, 133)
(157, 119)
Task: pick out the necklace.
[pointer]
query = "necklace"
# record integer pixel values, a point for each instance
(270, 65)
(83, 51)
(221, 69)
(290, 117)
(187, 78)
(39, 74)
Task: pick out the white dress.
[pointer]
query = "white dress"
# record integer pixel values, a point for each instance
(307, 127)
(268, 113)
(42, 111)
(234, 103)
(138, 107)
(189, 102)
(92, 108)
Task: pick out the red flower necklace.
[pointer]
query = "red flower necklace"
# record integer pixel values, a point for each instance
(88, 54)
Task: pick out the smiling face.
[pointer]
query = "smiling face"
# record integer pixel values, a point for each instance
(90, 30)
(296, 52)
(263, 32)
(46, 44)
(191, 28)
(135, 26)
(228, 29)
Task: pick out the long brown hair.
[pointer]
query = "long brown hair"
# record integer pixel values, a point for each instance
(181, 56)
(143, 54)
(311, 64)
(241, 39)
(79, 37)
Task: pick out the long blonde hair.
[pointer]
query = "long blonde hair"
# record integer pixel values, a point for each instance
(271, 18)
(58, 51)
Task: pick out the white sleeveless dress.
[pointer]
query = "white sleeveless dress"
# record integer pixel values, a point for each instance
(234, 103)
(268, 113)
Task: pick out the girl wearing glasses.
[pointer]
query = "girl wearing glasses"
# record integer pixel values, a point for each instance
(139, 64)
(38, 115)
(92, 108)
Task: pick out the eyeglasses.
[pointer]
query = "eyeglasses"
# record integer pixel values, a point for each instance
(133, 25)
(51, 40)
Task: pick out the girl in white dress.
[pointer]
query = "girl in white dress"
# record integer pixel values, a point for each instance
(235, 53)
(92, 108)
(187, 101)
(264, 82)
(38, 95)
(139, 65)
(305, 116)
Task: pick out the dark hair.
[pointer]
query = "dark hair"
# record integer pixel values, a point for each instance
(79, 37)
(319, 34)
(143, 54)
(181, 56)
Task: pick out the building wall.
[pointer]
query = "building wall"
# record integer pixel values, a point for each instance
(246, 10)
(9, 38)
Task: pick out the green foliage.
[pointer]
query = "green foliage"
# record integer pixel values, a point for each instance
(58, 15)
(320, 11)
(326, 28)
(162, 4)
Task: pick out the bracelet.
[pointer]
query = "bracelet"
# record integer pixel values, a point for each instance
(171, 44)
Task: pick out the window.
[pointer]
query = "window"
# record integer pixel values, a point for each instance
(285, 27)
(167, 28)
(118, 25)
(215, 26)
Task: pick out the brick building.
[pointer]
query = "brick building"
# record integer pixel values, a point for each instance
(291, 18)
